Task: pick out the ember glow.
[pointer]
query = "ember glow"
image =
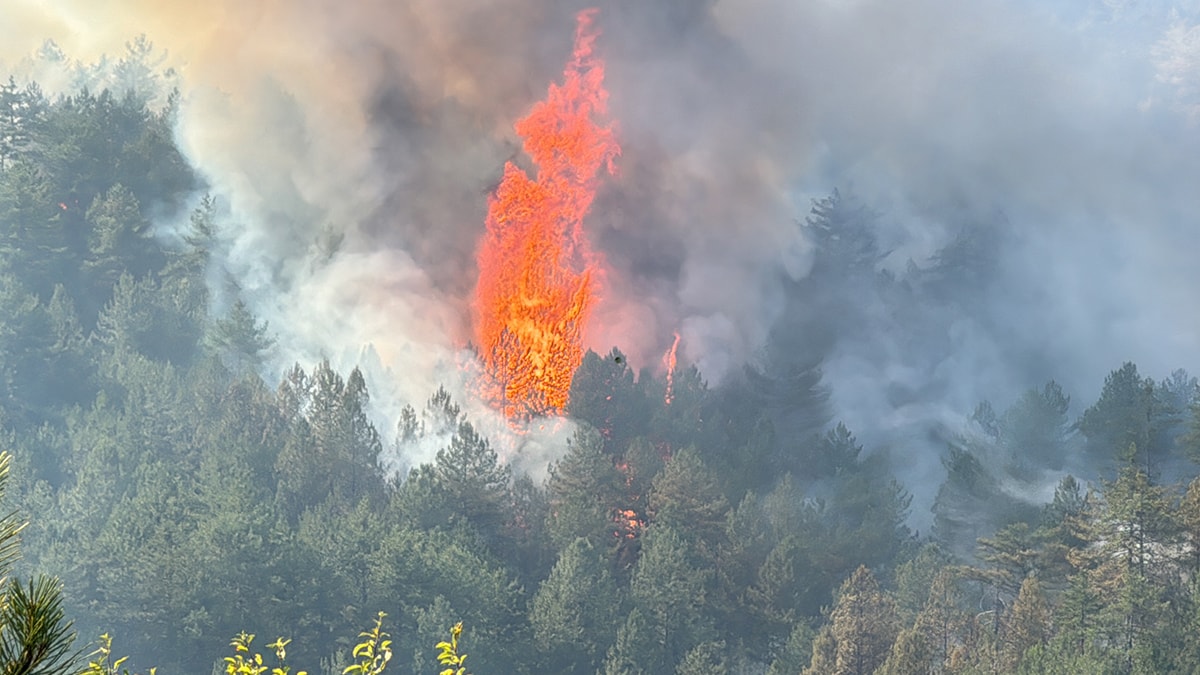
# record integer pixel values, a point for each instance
(538, 277)
(629, 524)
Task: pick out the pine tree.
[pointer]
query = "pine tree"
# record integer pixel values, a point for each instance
(584, 493)
(788, 395)
(136, 73)
(604, 394)
(35, 635)
(125, 324)
(184, 277)
(690, 420)
(1027, 624)
(942, 621)
(20, 112)
(1078, 615)
(843, 230)
(240, 340)
(1035, 429)
(332, 450)
(115, 243)
(671, 590)
(1064, 533)
(970, 505)
(824, 653)
(706, 658)
(65, 365)
(635, 652)
(747, 542)
(574, 611)
(862, 627)
(1122, 416)
(1189, 522)
(914, 578)
(472, 481)
(796, 653)
(779, 591)
(867, 515)
(33, 241)
(685, 496)
(911, 654)
(838, 451)
(639, 466)
(1174, 397)
(1130, 572)
(524, 543)
(1011, 556)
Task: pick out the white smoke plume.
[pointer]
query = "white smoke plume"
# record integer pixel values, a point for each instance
(356, 145)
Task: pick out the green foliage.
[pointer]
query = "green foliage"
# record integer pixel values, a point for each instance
(842, 228)
(371, 655)
(181, 497)
(670, 587)
(1028, 623)
(836, 452)
(240, 339)
(605, 395)
(584, 489)
(707, 658)
(635, 651)
(1122, 417)
(914, 577)
(36, 638)
(448, 654)
(575, 611)
(246, 662)
(911, 653)
(116, 237)
(468, 473)
(970, 503)
(1035, 428)
(686, 495)
(374, 652)
(1060, 658)
(100, 663)
(795, 653)
(862, 624)
(331, 450)
(33, 241)
(20, 112)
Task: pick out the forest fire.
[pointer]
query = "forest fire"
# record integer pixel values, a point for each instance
(629, 524)
(670, 361)
(538, 276)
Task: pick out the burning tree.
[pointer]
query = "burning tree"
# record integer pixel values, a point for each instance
(538, 276)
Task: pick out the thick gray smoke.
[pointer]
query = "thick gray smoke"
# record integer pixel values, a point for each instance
(356, 146)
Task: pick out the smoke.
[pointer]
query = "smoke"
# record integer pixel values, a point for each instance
(356, 146)
(1069, 134)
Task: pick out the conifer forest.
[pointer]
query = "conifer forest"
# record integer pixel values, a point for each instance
(615, 338)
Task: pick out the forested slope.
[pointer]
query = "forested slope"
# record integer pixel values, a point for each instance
(740, 528)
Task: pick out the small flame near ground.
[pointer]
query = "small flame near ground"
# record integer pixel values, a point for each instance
(669, 363)
(538, 276)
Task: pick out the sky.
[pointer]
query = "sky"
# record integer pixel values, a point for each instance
(354, 146)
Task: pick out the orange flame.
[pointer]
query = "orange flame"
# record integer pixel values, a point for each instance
(538, 276)
(669, 363)
(629, 524)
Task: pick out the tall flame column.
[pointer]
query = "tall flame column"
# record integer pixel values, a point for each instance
(538, 276)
